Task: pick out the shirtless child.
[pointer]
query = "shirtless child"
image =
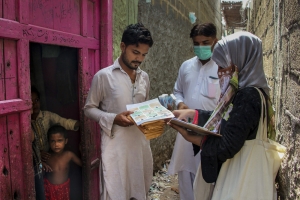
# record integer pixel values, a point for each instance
(57, 182)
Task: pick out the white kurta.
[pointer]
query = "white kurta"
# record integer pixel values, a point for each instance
(198, 88)
(126, 155)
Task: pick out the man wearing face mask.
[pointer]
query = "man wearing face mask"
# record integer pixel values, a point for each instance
(197, 87)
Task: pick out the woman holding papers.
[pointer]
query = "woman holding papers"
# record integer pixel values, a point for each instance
(237, 116)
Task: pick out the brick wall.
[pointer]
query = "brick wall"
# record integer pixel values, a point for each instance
(277, 23)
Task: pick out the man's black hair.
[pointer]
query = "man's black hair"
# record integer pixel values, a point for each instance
(57, 129)
(34, 90)
(206, 29)
(135, 34)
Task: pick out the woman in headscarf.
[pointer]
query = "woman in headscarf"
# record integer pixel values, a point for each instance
(237, 117)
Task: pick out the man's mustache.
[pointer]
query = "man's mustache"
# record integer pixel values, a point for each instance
(136, 62)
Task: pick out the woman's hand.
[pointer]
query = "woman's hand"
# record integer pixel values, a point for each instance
(184, 114)
(181, 130)
(195, 139)
(181, 106)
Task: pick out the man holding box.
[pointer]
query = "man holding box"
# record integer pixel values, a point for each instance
(126, 155)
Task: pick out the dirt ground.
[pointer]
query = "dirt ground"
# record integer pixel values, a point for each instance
(164, 187)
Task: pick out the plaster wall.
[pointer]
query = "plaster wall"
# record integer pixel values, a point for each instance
(124, 13)
(277, 23)
(170, 27)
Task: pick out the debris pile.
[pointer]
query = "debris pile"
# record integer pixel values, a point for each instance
(164, 186)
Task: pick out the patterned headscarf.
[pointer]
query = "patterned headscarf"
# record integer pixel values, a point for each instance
(244, 50)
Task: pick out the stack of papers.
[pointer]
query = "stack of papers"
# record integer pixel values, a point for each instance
(148, 111)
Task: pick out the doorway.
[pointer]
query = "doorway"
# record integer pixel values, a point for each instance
(54, 72)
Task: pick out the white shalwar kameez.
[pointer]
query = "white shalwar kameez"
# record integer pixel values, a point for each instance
(198, 87)
(126, 155)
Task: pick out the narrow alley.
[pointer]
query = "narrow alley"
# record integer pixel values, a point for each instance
(50, 56)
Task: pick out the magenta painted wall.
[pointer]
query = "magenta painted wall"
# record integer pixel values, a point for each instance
(82, 24)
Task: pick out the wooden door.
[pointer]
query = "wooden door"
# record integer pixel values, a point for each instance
(81, 24)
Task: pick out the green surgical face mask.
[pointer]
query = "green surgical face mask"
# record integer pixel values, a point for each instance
(203, 52)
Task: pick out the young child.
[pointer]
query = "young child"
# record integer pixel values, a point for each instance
(57, 182)
(42, 120)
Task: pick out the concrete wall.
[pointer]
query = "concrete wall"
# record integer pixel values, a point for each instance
(277, 23)
(170, 27)
(124, 13)
(168, 21)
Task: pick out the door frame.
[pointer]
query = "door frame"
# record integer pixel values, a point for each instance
(23, 32)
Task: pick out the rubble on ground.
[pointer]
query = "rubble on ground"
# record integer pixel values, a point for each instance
(164, 186)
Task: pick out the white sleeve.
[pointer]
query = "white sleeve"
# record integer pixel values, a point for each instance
(91, 108)
(178, 87)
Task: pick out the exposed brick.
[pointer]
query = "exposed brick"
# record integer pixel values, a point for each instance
(173, 2)
(277, 24)
(164, 6)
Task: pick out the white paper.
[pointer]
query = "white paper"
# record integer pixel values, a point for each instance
(148, 111)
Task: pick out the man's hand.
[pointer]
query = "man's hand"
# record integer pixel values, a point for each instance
(76, 126)
(46, 167)
(181, 106)
(170, 107)
(45, 156)
(122, 120)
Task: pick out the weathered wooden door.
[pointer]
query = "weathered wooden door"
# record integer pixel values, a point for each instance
(81, 24)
